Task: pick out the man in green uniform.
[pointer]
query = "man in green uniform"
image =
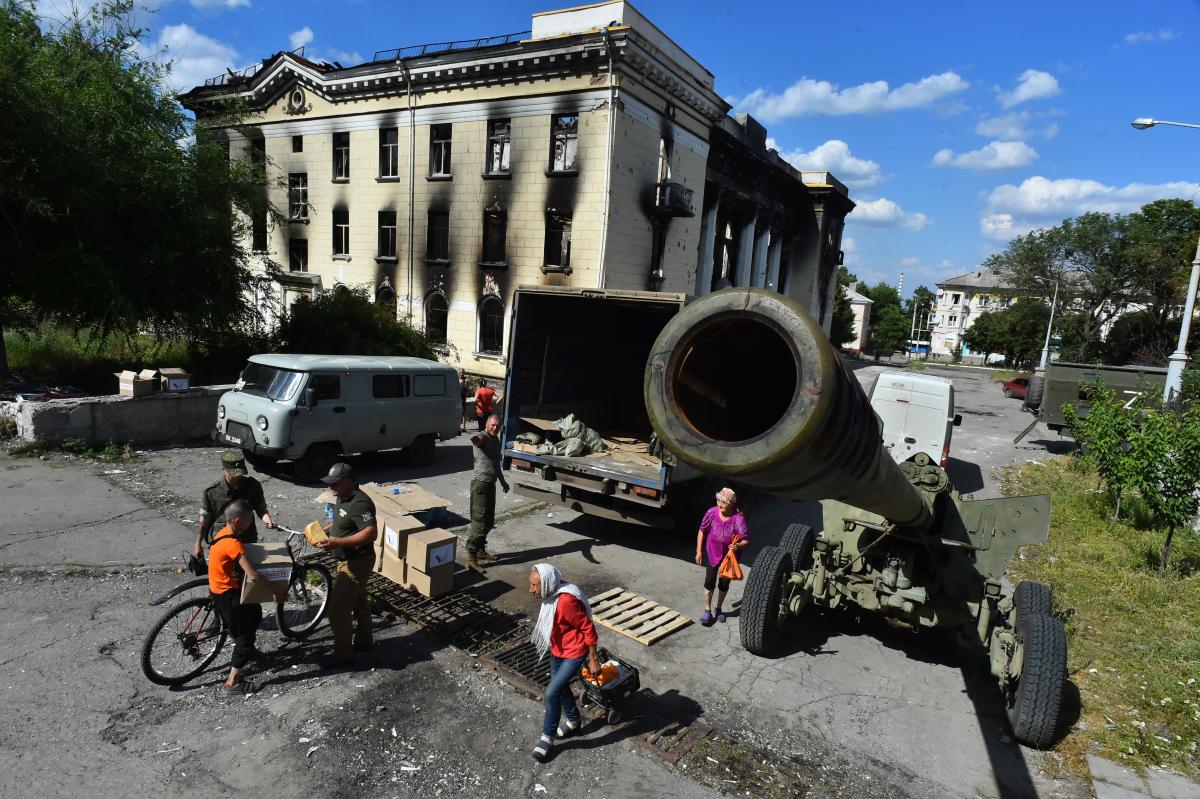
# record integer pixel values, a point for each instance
(352, 542)
(234, 484)
(483, 493)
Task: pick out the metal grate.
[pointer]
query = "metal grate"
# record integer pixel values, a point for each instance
(435, 48)
(521, 666)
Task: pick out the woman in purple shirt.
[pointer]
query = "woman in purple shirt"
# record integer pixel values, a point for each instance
(717, 529)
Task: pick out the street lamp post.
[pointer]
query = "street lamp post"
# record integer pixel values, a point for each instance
(1050, 326)
(1179, 358)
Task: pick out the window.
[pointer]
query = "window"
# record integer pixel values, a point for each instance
(564, 142)
(329, 387)
(341, 156)
(437, 313)
(298, 255)
(495, 226)
(558, 240)
(429, 385)
(298, 195)
(499, 146)
(387, 234)
(297, 144)
(258, 216)
(955, 299)
(439, 150)
(952, 320)
(439, 236)
(341, 231)
(491, 326)
(389, 153)
(389, 386)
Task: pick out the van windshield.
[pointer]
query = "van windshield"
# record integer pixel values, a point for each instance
(267, 381)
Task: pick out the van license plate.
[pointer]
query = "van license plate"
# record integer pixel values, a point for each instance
(233, 440)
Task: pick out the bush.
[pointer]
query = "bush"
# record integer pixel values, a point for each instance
(345, 322)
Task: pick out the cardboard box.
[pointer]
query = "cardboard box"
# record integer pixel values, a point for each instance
(434, 583)
(136, 384)
(394, 568)
(402, 498)
(431, 549)
(395, 529)
(174, 379)
(271, 561)
(378, 567)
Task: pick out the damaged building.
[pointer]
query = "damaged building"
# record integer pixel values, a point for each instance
(590, 151)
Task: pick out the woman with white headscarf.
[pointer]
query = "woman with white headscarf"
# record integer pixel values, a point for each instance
(564, 629)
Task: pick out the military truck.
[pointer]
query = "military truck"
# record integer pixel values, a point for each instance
(1063, 384)
(743, 383)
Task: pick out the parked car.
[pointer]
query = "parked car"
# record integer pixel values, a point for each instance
(1016, 387)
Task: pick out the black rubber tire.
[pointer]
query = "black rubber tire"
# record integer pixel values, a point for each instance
(1032, 599)
(798, 541)
(760, 618)
(211, 630)
(1038, 697)
(1008, 393)
(315, 462)
(614, 717)
(421, 451)
(1033, 392)
(260, 462)
(307, 600)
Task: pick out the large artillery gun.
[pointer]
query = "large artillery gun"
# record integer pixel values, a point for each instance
(743, 384)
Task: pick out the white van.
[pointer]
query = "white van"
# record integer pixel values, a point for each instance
(917, 414)
(312, 409)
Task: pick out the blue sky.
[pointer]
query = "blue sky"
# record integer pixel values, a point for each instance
(955, 125)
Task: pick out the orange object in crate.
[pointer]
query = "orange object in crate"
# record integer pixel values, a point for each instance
(608, 673)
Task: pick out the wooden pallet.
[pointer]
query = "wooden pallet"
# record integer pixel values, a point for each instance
(635, 616)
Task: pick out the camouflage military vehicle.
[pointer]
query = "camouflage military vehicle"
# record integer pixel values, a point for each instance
(743, 383)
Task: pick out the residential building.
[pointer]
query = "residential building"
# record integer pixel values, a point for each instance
(960, 300)
(860, 306)
(591, 150)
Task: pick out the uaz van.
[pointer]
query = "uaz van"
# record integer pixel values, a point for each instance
(312, 409)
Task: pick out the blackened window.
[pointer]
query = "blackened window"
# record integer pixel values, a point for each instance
(341, 156)
(564, 142)
(387, 234)
(439, 150)
(389, 153)
(297, 144)
(491, 326)
(258, 216)
(341, 231)
(495, 226)
(389, 386)
(298, 195)
(439, 236)
(499, 146)
(298, 255)
(437, 316)
(558, 240)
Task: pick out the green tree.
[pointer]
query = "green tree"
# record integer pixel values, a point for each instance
(924, 299)
(1105, 434)
(345, 322)
(1018, 331)
(841, 328)
(1167, 451)
(889, 329)
(111, 219)
(1162, 243)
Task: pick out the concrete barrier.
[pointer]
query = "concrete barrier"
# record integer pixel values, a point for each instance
(166, 417)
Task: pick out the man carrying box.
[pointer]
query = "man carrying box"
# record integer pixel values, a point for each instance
(227, 554)
(352, 541)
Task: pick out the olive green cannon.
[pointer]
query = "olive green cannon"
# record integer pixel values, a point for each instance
(743, 384)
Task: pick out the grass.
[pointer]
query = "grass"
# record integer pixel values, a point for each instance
(55, 356)
(110, 452)
(1004, 375)
(1134, 638)
(916, 363)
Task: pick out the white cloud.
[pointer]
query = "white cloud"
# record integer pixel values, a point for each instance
(807, 96)
(1041, 202)
(301, 37)
(1032, 85)
(193, 55)
(835, 156)
(1142, 37)
(884, 213)
(1014, 126)
(219, 3)
(992, 156)
(910, 261)
(849, 252)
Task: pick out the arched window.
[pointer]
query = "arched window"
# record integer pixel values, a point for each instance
(491, 326)
(437, 314)
(385, 298)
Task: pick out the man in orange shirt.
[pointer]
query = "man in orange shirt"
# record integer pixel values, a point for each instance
(485, 403)
(225, 556)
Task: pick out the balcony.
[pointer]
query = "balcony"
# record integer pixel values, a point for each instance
(673, 199)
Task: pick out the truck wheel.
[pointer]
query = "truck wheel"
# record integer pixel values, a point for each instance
(1038, 697)
(315, 462)
(1033, 392)
(421, 451)
(762, 616)
(798, 541)
(1032, 599)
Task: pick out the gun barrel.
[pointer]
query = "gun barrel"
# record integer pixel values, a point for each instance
(743, 383)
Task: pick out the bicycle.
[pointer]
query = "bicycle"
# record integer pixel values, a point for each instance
(195, 634)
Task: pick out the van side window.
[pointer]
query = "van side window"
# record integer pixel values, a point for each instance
(329, 387)
(389, 386)
(429, 386)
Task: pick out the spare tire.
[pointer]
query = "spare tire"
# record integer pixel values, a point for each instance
(1033, 392)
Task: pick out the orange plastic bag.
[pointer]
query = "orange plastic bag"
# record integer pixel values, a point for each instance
(608, 673)
(730, 569)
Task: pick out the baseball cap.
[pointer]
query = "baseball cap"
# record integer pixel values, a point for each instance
(234, 463)
(339, 471)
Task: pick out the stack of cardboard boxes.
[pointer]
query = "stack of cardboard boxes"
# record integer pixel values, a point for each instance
(148, 381)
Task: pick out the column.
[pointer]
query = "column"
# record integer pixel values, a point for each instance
(708, 235)
(774, 255)
(758, 270)
(745, 251)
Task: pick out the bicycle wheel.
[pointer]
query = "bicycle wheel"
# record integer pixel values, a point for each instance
(304, 605)
(183, 642)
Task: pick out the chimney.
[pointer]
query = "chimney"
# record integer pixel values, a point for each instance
(852, 287)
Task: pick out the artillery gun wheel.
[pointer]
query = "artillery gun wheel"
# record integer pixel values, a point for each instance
(762, 612)
(798, 540)
(1032, 599)
(1038, 696)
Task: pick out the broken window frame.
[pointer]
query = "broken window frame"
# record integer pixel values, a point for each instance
(491, 326)
(297, 255)
(341, 232)
(495, 238)
(441, 139)
(298, 195)
(297, 144)
(437, 237)
(499, 147)
(341, 156)
(387, 235)
(557, 249)
(389, 152)
(437, 333)
(564, 142)
(258, 216)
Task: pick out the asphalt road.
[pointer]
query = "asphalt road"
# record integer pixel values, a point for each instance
(858, 708)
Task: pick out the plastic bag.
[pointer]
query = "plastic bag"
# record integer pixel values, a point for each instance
(730, 569)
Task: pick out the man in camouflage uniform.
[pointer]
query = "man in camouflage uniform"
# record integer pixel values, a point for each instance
(234, 484)
(352, 541)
